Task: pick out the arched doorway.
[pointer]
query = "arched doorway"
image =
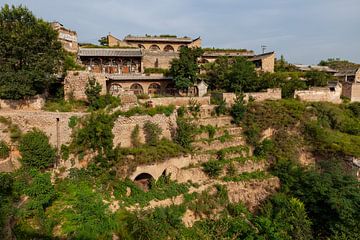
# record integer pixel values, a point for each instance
(115, 89)
(169, 48)
(141, 46)
(144, 181)
(170, 89)
(137, 89)
(154, 88)
(179, 48)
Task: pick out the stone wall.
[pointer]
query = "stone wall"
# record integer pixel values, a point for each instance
(124, 126)
(177, 101)
(269, 94)
(47, 122)
(158, 59)
(352, 91)
(320, 94)
(75, 84)
(268, 63)
(34, 103)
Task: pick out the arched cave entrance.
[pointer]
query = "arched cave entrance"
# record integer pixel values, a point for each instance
(143, 181)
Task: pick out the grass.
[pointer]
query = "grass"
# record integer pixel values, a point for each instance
(65, 106)
(159, 190)
(247, 176)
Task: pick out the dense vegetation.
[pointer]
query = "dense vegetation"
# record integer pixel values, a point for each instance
(30, 53)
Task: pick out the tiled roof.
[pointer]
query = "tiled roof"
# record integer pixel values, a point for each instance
(158, 39)
(109, 52)
(261, 56)
(303, 67)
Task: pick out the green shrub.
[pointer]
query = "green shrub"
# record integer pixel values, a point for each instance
(4, 150)
(212, 168)
(146, 154)
(184, 133)
(65, 152)
(238, 109)
(135, 137)
(181, 111)
(92, 91)
(73, 120)
(95, 133)
(194, 107)
(105, 101)
(221, 108)
(36, 151)
(355, 108)
(41, 192)
(152, 133)
(60, 105)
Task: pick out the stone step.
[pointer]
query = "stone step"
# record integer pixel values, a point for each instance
(235, 131)
(223, 121)
(217, 145)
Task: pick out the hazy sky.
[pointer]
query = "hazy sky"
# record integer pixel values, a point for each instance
(304, 31)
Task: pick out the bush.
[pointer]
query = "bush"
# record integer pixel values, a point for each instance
(36, 151)
(152, 133)
(184, 133)
(92, 91)
(4, 150)
(135, 138)
(212, 168)
(221, 108)
(95, 134)
(64, 106)
(238, 109)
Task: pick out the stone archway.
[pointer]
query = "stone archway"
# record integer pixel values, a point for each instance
(137, 89)
(154, 48)
(154, 88)
(144, 180)
(115, 89)
(169, 48)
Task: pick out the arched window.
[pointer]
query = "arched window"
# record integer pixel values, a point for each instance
(141, 46)
(168, 48)
(115, 89)
(154, 88)
(137, 89)
(154, 48)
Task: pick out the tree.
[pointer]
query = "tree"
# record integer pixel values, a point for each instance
(36, 151)
(242, 77)
(216, 74)
(104, 41)
(232, 75)
(92, 91)
(318, 79)
(339, 64)
(185, 69)
(30, 53)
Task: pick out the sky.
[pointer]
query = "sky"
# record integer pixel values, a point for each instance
(304, 31)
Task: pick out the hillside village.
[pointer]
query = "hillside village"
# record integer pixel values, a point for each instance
(156, 137)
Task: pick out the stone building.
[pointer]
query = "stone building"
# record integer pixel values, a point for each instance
(263, 62)
(158, 51)
(351, 84)
(67, 37)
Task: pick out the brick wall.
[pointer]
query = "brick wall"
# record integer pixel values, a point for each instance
(162, 59)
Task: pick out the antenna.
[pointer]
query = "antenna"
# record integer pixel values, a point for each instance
(263, 47)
